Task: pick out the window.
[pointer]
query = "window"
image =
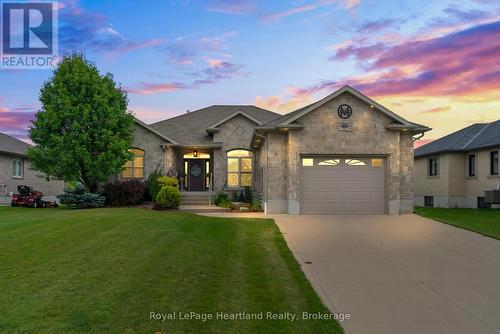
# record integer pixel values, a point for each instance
(198, 156)
(472, 165)
(307, 162)
(433, 166)
(354, 162)
(481, 203)
(331, 162)
(17, 168)
(494, 163)
(239, 168)
(377, 162)
(134, 169)
(429, 201)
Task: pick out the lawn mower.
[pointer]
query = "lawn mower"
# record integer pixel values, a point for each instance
(30, 198)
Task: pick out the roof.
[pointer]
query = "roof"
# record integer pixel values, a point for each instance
(399, 121)
(191, 128)
(473, 137)
(12, 145)
(147, 127)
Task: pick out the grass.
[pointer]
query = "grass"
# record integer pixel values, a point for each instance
(483, 221)
(105, 270)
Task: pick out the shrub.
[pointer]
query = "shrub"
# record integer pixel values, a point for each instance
(248, 195)
(78, 198)
(152, 185)
(129, 192)
(168, 181)
(257, 203)
(221, 197)
(169, 197)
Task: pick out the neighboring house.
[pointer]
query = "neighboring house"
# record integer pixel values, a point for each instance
(455, 171)
(344, 154)
(15, 170)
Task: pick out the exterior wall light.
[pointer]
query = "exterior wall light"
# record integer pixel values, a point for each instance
(195, 153)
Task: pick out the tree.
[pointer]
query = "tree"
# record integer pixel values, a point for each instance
(83, 130)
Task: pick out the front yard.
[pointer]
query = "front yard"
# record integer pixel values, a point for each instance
(106, 270)
(484, 221)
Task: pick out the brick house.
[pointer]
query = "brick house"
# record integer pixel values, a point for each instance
(344, 154)
(15, 170)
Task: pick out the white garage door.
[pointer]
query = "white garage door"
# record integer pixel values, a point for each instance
(346, 185)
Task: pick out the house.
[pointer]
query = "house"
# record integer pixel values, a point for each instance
(15, 170)
(456, 170)
(344, 154)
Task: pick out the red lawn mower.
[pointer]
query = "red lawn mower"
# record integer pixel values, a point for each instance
(30, 198)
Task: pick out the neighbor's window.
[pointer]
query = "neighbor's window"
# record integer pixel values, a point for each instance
(239, 168)
(494, 163)
(433, 166)
(134, 169)
(472, 164)
(17, 168)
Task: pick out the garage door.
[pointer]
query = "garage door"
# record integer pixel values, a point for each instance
(347, 185)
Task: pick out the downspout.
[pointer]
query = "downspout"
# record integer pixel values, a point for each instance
(266, 174)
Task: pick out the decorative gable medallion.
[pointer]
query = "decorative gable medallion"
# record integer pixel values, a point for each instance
(344, 111)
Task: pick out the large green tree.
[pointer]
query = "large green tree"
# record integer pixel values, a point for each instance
(83, 130)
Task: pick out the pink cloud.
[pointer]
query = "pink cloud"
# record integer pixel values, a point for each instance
(435, 110)
(461, 63)
(146, 88)
(349, 4)
(421, 142)
(16, 123)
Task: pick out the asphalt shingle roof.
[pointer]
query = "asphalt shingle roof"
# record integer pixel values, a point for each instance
(12, 145)
(473, 137)
(190, 128)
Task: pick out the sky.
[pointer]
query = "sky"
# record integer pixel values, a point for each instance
(432, 62)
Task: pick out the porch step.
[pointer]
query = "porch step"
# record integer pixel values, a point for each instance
(194, 198)
(201, 208)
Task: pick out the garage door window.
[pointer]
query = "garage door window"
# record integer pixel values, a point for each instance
(354, 162)
(307, 162)
(377, 162)
(332, 162)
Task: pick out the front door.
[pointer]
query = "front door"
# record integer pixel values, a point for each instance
(196, 175)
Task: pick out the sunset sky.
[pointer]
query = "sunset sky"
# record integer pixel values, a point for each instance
(433, 62)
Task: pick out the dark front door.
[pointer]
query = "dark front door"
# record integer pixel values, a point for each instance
(197, 175)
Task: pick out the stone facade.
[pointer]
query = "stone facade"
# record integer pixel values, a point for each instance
(8, 183)
(235, 133)
(151, 144)
(321, 135)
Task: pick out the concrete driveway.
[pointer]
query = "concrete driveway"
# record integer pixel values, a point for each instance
(399, 274)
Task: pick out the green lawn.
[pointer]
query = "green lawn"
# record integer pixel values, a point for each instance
(484, 221)
(105, 270)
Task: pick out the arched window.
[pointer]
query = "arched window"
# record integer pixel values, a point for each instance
(134, 169)
(239, 168)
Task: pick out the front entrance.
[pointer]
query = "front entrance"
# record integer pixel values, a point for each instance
(196, 171)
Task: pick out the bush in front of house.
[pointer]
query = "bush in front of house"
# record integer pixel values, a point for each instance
(168, 181)
(152, 185)
(168, 198)
(130, 192)
(78, 198)
(248, 195)
(220, 198)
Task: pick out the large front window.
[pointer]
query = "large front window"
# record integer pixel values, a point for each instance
(134, 169)
(239, 168)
